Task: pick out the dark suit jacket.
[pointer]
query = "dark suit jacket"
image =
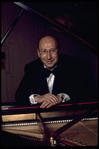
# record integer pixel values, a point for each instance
(34, 81)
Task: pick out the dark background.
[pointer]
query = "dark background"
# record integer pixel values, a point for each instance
(82, 15)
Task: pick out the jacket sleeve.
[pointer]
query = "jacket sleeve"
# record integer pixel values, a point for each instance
(72, 80)
(24, 90)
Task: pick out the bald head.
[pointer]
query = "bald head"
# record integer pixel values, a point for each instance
(49, 39)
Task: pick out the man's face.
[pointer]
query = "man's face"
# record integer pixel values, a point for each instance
(48, 51)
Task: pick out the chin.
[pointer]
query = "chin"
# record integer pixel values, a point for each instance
(50, 66)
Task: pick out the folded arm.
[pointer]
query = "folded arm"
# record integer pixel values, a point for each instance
(48, 100)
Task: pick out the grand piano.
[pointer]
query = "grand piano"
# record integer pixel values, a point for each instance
(61, 125)
(65, 124)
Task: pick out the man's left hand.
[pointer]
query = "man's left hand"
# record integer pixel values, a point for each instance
(48, 104)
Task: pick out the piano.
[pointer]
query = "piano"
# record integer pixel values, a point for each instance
(61, 125)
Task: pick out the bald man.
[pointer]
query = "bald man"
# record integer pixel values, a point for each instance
(49, 80)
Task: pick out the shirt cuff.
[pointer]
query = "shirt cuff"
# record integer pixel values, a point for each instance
(31, 99)
(66, 97)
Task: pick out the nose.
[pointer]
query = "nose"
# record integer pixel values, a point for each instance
(49, 56)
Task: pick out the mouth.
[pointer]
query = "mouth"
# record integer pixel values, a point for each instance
(50, 62)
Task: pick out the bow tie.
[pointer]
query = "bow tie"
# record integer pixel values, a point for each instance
(47, 72)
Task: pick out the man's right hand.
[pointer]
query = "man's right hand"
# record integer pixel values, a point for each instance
(46, 100)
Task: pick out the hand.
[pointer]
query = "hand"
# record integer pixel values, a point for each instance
(47, 100)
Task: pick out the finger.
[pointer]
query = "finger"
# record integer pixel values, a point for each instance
(52, 98)
(50, 105)
(44, 104)
(59, 99)
(48, 97)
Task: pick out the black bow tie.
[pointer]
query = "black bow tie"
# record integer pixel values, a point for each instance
(47, 72)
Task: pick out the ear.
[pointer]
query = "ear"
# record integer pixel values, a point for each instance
(38, 52)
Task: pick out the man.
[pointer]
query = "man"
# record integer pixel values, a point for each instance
(49, 80)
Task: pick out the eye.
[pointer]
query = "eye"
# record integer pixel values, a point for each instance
(44, 51)
(52, 50)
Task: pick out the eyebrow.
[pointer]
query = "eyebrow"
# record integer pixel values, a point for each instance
(49, 49)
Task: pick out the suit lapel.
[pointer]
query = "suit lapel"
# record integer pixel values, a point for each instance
(42, 84)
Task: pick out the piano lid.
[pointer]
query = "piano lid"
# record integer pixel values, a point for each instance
(71, 19)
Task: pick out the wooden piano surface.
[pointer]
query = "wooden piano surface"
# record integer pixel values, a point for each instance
(26, 124)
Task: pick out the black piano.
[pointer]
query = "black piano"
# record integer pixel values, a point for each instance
(61, 125)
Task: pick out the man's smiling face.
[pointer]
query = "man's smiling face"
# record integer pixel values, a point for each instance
(48, 51)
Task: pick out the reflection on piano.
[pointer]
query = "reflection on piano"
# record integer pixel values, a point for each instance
(61, 125)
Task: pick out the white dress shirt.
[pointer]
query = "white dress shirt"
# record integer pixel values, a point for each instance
(50, 83)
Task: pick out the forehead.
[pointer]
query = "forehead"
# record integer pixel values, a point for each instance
(47, 42)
